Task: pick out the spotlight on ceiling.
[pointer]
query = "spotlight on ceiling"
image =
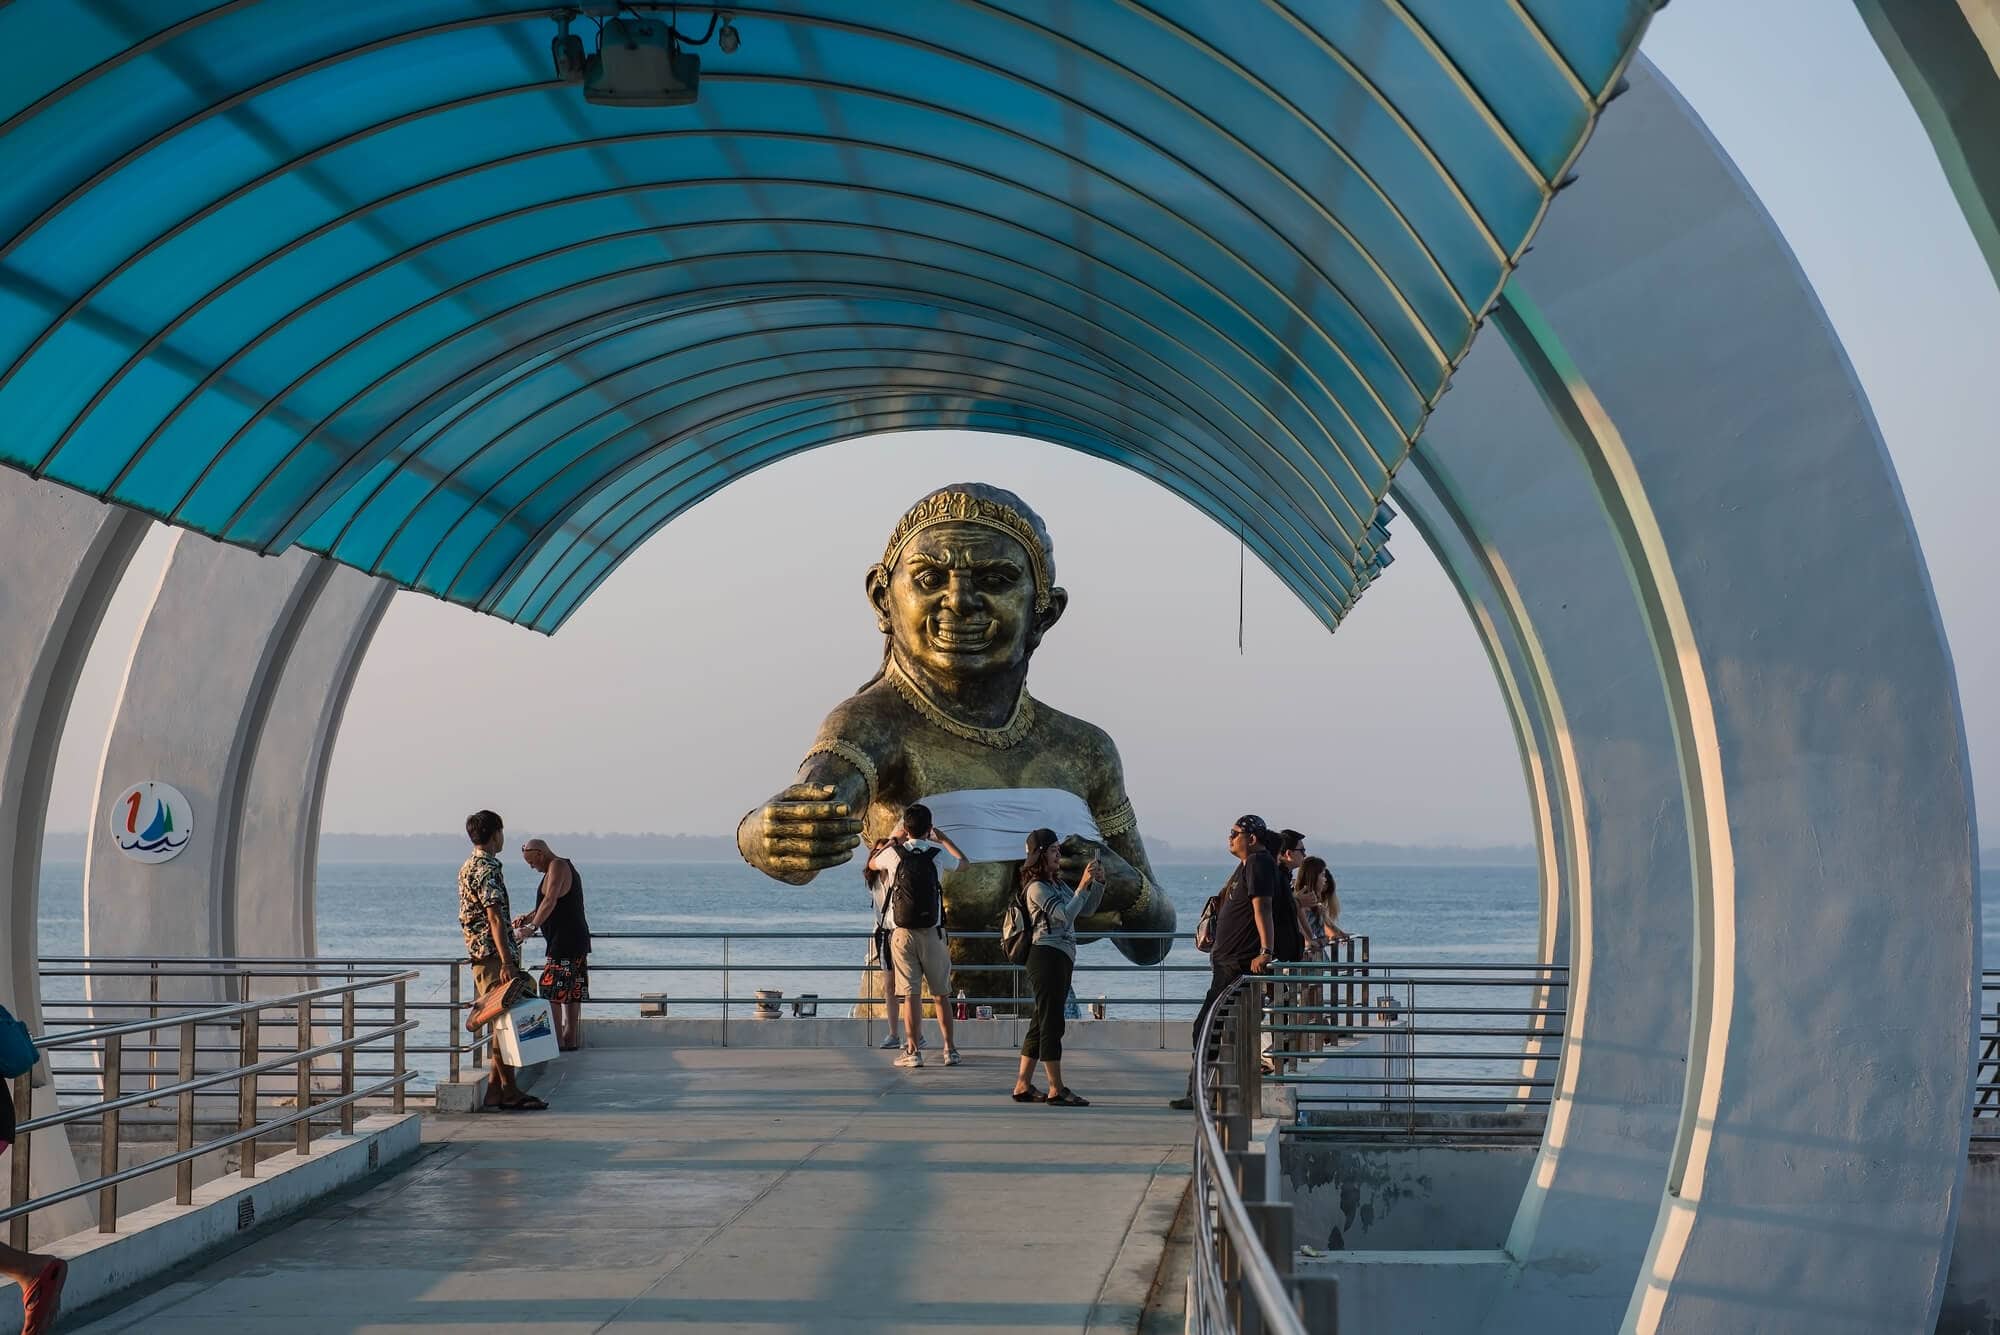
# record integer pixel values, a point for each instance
(639, 63)
(566, 49)
(728, 39)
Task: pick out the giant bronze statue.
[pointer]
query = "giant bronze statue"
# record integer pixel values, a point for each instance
(963, 595)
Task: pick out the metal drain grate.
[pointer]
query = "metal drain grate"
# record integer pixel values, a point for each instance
(246, 1213)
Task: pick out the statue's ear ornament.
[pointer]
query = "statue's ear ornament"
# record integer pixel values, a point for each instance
(962, 507)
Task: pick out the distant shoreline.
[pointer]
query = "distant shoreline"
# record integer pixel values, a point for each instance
(68, 846)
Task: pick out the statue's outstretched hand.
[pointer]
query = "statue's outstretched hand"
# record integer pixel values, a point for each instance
(1121, 879)
(799, 833)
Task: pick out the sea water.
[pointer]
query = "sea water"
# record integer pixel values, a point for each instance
(394, 911)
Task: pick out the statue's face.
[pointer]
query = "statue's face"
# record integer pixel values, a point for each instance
(961, 601)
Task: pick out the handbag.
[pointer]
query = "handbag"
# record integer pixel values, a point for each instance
(1204, 927)
(17, 1046)
(492, 1004)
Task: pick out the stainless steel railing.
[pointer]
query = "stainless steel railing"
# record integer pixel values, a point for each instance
(1986, 1066)
(721, 980)
(1243, 1250)
(444, 1044)
(1459, 1048)
(130, 1086)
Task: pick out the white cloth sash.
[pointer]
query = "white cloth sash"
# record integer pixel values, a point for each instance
(993, 824)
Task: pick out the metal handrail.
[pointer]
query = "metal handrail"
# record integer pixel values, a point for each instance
(458, 1049)
(248, 1020)
(98, 1184)
(1236, 1285)
(213, 1015)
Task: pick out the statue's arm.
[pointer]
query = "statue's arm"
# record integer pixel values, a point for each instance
(1133, 898)
(815, 821)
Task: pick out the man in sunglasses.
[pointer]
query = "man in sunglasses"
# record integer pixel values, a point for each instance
(1245, 925)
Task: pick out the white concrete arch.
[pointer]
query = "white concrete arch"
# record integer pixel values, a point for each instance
(278, 848)
(1531, 509)
(65, 554)
(1820, 747)
(197, 691)
(1676, 491)
(1444, 527)
(63, 557)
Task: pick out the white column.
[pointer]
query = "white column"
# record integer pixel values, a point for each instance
(279, 846)
(197, 691)
(1821, 1146)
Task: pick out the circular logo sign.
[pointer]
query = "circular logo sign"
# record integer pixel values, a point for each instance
(151, 821)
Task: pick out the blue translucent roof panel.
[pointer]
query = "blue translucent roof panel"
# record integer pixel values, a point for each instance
(369, 279)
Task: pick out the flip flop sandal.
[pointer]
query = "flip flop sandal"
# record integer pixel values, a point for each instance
(526, 1103)
(1030, 1095)
(1067, 1099)
(43, 1299)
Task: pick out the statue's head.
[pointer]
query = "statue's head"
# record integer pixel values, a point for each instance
(966, 585)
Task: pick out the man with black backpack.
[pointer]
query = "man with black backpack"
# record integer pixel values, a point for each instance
(918, 946)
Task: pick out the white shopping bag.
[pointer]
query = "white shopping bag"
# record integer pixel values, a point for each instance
(526, 1034)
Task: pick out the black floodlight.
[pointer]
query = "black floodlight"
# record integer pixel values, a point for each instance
(566, 51)
(640, 64)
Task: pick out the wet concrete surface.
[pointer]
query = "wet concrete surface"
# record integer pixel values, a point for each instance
(733, 1190)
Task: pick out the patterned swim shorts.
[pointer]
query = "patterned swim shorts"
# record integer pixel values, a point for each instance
(566, 980)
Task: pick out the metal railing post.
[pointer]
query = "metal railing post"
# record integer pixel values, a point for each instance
(184, 1120)
(1410, 995)
(17, 1187)
(1161, 970)
(246, 1088)
(303, 1140)
(153, 1038)
(1317, 1299)
(1367, 1002)
(107, 1142)
(725, 995)
(456, 999)
(347, 1058)
(401, 1044)
(1249, 1057)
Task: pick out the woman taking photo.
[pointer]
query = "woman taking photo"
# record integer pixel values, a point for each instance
(1053, 909)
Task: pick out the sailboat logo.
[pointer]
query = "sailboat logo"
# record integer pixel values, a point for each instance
(151, 821)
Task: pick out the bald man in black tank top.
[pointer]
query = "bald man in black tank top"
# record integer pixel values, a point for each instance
(559, 917)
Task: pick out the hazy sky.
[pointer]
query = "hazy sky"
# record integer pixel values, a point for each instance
(687, 688)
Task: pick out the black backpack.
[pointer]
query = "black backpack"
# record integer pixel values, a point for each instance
(1017, 928)
(916, 898)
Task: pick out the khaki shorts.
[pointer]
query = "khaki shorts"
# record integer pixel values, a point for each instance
(921, 953)
(486, 975)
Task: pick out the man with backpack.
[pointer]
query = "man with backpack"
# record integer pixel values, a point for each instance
(918, 946)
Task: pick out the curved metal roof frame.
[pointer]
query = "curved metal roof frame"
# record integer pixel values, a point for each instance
(362, 278)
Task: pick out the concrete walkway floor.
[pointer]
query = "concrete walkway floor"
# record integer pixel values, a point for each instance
(736, 1190)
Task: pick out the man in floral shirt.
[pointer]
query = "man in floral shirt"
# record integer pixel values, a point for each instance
(484, 914)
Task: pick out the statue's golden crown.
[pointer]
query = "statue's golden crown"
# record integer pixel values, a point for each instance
(962, 507)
